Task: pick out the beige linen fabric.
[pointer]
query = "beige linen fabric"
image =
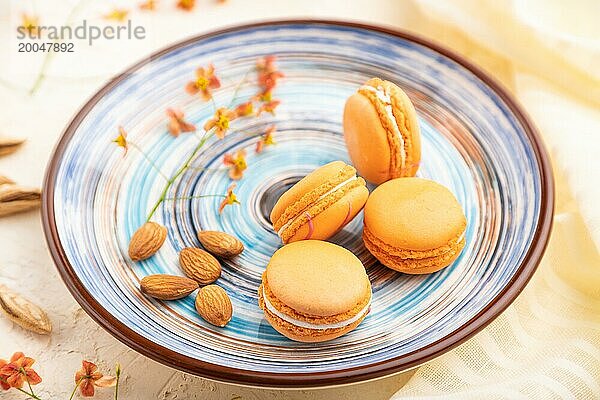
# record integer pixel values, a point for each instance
(547, 344)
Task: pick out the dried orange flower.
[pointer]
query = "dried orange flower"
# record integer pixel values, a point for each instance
(230, 198)
(264, 97)
(268, 74)
(88, 377)
(18, 371)
(266, 139)
(148, 5)
(269, 107)
(117, 14)
(220, 121)
(3, 383)
(177, 124)
(236, 163)
(31, 24)
(3, 377)
(245, 109)
(187, 5)
(121, 140)
(205, 81)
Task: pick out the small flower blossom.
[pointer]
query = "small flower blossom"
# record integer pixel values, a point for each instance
(230, 198)
(31, 24)
(236, 163)
(187, 5)
(177, 124)
(89, 376)
(205, 81)
(266, 139)
(220, 121)
(244, 109)
(269, 107)
(268, 74)
(118, 14)
(148, 5)
(121, 140)
(18, 371)
(3, 377)
(263, 97)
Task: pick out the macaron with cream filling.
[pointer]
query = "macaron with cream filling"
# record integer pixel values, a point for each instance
(382, 132)
(320, 204)
(313, 291)
(414, 225)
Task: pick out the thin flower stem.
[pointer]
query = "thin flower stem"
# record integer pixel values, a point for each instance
(194, 197)
(185, 166)
(118, 373)
(152, 163)
(42, 74)
(214, 105)
(75, 388)
(238, 87)
(33, 396)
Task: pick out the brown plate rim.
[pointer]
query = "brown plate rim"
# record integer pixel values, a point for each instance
(299, 380)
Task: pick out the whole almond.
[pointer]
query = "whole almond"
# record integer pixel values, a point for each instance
(5, 180)
(167, 287)
(16, 198)
(220, 243)
(9, 145)
(23, 312)
(214, 306)
(146, 241)
(199, 265)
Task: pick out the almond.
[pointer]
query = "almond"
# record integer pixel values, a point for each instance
(9, 145)
(213, 304)
(16, 198)
(23, 312)
(199, 265)
(220, 243)
(167, 287)
(5, 180)
(146, 241)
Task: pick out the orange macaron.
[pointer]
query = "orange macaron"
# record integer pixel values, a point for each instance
(382, 132)
(313, 291)
(320, 204)
(414, 225)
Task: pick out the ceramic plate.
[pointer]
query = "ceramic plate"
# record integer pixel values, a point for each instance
(476, 141)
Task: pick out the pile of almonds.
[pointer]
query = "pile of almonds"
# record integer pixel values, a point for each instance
(201, 269)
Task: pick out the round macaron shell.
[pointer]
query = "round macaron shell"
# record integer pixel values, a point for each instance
(333, 171)
(414, 214)
(366, 139)
(333, 218)
(317, 278)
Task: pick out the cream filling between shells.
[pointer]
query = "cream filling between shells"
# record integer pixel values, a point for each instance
(290, 222)
(308, 325)
(387, 101)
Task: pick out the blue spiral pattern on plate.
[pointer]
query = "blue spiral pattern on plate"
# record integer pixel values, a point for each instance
(472, 143)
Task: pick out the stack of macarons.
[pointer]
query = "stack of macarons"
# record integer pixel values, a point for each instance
(313, 290)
